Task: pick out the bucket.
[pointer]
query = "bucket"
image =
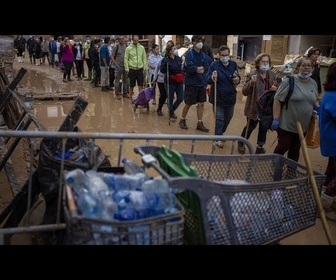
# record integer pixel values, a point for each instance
(28, 101)
(327, 200)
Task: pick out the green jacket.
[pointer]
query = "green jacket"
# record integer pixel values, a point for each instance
(135, 57)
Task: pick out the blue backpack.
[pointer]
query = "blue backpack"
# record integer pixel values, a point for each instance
(184, 68)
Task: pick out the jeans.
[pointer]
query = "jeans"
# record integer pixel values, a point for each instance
(224, 115)
(178, 88)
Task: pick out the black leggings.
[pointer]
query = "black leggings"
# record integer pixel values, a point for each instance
(67, 69)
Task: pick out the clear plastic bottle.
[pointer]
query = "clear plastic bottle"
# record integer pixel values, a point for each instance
(87, 204)
(122, 182)
(145, 204)
(108, 207)
(166, 198)
(94, 183)
(132, 168)
(75, 178)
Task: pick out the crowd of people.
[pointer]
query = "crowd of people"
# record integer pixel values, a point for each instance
(114, 65)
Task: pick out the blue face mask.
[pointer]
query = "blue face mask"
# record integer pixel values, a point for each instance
(304, 76)
(264, 67)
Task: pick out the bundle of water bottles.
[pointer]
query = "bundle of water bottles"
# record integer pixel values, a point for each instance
(114, 197)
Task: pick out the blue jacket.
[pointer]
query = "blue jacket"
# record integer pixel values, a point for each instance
(171, 66)
(192, 78)
(327, 124)
(226, 91)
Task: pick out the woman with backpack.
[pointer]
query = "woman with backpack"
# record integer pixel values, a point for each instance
(257, 81)
(303, 101)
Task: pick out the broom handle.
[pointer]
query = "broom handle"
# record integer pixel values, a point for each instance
(215, 99)
(313, 183)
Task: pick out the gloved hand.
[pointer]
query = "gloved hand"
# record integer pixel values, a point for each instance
(275, 124)
(316, 110)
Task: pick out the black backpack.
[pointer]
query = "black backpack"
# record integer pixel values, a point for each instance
(265, 103)
(265, 98)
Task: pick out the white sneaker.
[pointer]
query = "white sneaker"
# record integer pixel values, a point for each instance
(219, 144)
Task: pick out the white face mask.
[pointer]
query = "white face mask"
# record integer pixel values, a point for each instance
(225, 59)
(199, 45)
(176, 53)
(264, 67)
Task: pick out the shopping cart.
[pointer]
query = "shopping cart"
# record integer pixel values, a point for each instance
(239, 199)
(120, 145)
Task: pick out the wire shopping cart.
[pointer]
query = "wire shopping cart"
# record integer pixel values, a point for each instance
(239, 199)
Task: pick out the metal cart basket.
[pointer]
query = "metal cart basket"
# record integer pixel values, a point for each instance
(240, 199)
(165, 229)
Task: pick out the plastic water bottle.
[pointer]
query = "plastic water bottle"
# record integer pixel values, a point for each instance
(87, 204)
(95, 183)
(121, 198)
(166, 198)
(132, 168)
(145, 204)
(108, 206)
(128, 214)
(122, 182)
(75, 178)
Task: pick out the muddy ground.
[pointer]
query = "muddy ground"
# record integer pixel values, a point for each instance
(107, 114)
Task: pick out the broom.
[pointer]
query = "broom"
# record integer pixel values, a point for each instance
(313, 183)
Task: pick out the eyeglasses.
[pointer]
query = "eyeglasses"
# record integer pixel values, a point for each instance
(306, 65)
(264, 61)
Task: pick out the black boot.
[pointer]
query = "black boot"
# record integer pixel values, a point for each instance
(172, 115)
(159, 112)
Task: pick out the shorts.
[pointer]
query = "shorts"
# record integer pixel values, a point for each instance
(194, 95)
(136, 77)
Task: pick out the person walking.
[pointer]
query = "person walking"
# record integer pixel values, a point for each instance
(67, 59)
(135, 62)
(20, 47)
(223, 72)
(313, 54)
(94, 57)
(171, 67)
(303, 101)
(104, 63)
(118, 55)
(196, 66)
(86, 47)
(159, 79)
(154, 57)
(327, 128)
(259, 80)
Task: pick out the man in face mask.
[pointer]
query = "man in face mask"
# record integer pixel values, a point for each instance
(88, 61)
(196, 65)
(257, 81)
(223, 72)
